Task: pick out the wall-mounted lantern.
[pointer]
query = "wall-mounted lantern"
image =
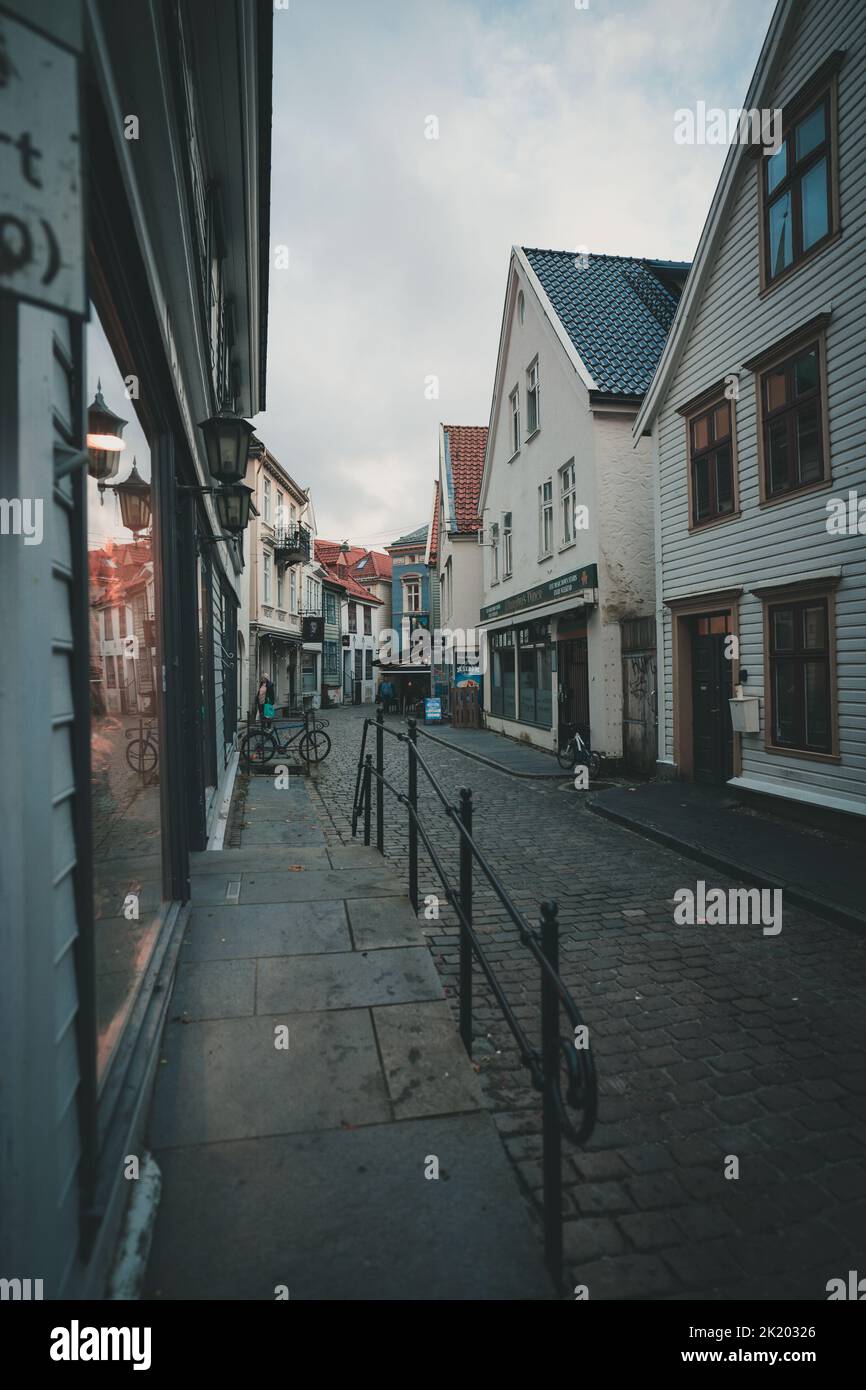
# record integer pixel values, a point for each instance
(227, 442)
(135, 505)
(104, 442)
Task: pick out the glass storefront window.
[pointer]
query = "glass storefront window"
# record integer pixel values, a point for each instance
(125, 734)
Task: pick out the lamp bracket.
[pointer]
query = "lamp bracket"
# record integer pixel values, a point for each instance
(67, 460)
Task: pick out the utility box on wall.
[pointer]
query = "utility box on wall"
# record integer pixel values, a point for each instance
(745, 714)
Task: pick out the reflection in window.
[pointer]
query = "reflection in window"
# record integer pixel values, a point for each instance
(124, 705)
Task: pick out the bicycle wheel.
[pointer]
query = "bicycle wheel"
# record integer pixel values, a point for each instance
(594, 764)
(258, 747)
(565, 754)
(314, 746)
(142, 755)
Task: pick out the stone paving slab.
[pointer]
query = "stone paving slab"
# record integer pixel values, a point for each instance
(215, 989)
(225, 1079)
(280, 929)
(278, 886)
(346, 1215)
(281, 832)
(351, 981)
(426, 1066)
(223, 861)
(505, 754)
(378, 922)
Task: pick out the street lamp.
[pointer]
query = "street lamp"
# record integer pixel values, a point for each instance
(233, 508)
(104, 443)
(226, 441)
(134, 497)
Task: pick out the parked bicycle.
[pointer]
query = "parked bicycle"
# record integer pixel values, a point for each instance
(574, 751)
(142, 748)
(260, 745)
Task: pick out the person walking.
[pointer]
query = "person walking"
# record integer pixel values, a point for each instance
(265, 700)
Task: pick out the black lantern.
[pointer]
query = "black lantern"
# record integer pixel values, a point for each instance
(227, 441)
(134, 496)
(104, 443)
(233, 508)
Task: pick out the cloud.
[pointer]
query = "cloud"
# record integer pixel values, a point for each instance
(555, 129)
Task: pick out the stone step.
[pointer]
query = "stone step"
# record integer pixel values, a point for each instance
(246, 885)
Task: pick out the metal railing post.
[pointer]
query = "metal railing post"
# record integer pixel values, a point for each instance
(551, 1130)
(368, 777)
(380, 785)
(413, 811)
(466, 904)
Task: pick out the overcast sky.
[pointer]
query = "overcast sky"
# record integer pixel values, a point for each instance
(555, 130)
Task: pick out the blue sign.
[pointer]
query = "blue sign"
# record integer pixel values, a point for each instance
(432, 711)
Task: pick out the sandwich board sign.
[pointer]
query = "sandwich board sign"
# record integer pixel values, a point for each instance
(41, 196)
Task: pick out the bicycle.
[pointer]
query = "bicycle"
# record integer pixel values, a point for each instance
(260, 745)
(574, 751)
(142, 749)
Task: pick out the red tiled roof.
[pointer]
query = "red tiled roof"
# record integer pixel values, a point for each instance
(466, 445)
(339, 574)
(331, 553)
(434, 525)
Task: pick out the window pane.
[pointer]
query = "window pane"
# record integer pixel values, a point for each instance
(724, 481)
(783, 702)
(702, 488)
(781, 245)
(718, 624)
(816, 213)
(810, 132)
(817, 679)
(815, 627)
(774, 386)
(777, 166)
(783, 629)
(777, 453)
(806, 372)
(701, 432)
(808, 454)
(723, 420)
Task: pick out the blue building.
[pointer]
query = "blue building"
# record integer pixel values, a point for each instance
(411, 610)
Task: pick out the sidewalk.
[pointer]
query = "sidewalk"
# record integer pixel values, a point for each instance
(304, 1166)
(817, 870)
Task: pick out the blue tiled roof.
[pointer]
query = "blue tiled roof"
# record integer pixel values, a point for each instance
(617, 311)
(413, 538)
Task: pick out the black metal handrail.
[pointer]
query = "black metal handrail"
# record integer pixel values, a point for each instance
(545, 1064)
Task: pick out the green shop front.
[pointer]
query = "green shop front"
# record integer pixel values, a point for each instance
(537, 672)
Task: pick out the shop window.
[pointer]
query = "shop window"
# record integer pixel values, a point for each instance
(126, 736)
(308, 672)
(502, 688)
(536, 676)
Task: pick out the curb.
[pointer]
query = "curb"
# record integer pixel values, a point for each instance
(821, 907)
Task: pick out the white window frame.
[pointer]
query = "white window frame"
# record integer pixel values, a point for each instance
(533, 391)
(514, 398)
(281, 587)
(266, 499)
(494, 552)
(280, 514)
(507, 545)
(293, 591)
(267, 561)
(412, 586)
(545, 519)
(568, 502)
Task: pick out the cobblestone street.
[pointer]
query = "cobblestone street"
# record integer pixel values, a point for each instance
(710, 1041)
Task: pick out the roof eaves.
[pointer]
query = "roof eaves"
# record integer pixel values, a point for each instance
(713, 226)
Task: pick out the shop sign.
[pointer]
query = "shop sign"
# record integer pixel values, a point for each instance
(313, 629)
(41, 201)
(432, 711)
(580, 584)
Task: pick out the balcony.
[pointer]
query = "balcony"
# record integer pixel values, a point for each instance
(291, 545)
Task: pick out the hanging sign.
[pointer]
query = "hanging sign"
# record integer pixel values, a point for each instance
(41, 203)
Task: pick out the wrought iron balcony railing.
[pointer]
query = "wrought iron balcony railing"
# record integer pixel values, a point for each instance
(291, 545)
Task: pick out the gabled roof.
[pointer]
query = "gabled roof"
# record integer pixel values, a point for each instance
(330, 551)
(464, 468)
(339, 574)
(433, 530)
(616, 310)
(774, 49)
(373, 565)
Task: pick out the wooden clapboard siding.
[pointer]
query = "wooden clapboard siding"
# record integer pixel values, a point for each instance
(789, 540)
(65, 926)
